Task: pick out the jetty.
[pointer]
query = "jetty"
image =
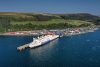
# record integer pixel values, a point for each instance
(20, 48)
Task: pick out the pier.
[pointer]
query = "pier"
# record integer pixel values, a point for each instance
(20, 48)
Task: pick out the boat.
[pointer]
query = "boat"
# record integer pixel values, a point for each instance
(42, 40)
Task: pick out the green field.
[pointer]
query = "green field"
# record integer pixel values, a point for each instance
(40, 22)
(53, 21)
(78, 22)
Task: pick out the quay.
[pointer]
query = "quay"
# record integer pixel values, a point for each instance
(20, 48)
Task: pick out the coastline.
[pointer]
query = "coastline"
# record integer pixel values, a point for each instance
(62, 32)
(83, 32)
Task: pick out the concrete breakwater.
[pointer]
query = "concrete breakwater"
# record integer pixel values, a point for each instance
(22, 47)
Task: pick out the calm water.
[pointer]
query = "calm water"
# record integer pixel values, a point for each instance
(74, 51)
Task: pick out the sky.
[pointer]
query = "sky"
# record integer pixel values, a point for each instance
(51, 6)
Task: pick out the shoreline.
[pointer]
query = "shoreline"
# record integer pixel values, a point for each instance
(63, 32)
(83, 32)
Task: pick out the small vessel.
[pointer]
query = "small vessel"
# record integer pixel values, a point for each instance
(42, 40)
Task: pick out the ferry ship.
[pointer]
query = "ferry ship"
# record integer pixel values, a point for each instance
(42, 40)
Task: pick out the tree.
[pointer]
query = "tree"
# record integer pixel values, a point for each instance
(5, 22)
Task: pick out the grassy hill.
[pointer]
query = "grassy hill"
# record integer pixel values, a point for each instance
(15, 16)
(29, 21)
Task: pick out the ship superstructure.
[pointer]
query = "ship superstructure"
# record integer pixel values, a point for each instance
(39, 41)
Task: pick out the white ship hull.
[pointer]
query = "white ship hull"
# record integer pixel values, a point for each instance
(42, 40)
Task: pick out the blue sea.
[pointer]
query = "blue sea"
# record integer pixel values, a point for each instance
(69, 51)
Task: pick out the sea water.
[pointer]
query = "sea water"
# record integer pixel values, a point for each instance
(69, 51)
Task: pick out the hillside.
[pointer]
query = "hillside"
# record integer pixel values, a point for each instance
(14, 21)
(45, 17)
(27, 16)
